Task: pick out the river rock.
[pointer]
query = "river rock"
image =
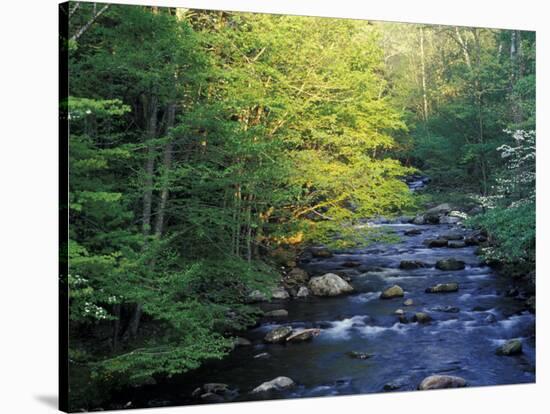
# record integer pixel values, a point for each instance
(351, 263)
(261, 355)
(303, 292)
(446, 309)
(436, 242)
(257, 296)
(359, 355)
(443, 288)
(278, 335)
(449, 220)
(277, 384)
(422, 317)
(277, 313)
(475, 239)
(412, 264)
(432, 218)
(436, 382)
(395, 291)
(399, 312)
(456, 244)
(450, 264)
(214, 393)
(440, 209)
(283, 257)
(510, 347)
(403, 319)
(452, 236)
(491, 318)
(239, 341)
(413, 232)
(295, 277)
(279, 293)
(329, 285)
(419, 220)
(408, 302)
(321, 252)
(304, 335)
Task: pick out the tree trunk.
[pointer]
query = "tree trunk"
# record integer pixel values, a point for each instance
(167, 164)
(423, 66)
(151, 108)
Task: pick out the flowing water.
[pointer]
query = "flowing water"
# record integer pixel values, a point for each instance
(460, 343)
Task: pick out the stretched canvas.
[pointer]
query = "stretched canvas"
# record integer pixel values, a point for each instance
(271, 206)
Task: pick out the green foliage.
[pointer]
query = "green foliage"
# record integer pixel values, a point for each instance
(512, 231)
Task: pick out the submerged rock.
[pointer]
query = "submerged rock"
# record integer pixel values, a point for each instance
(446, 309)
(239, 341)
(277, 313)
(304, 335)
(278, 335)
(408, 302)
(277, 384)
(510, 347)
(359, 355)
(329, 285)
(321, 252)
(436, 382)
(413, 232)
(351, 263)
(436, 242)
(443, 288)
(412, 264)
(450, 264)
(456, 244)
(395, 291)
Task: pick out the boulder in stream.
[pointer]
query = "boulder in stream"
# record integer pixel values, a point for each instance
(443, 288)
(456, 244)
(412, 264)
(422, 317)
(436, 382)
(303, 335)
(450, 264)
(436, 242)
(510, 347)
(408, 302)
(277, 384)
(395, 291)
(440, 209)
(413, 232)
(279, 293)
(240, 341)
(278, 335)
(329, 285)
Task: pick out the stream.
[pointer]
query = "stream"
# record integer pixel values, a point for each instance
(461, 340)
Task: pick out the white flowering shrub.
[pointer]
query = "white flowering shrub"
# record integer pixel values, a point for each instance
(510, 219)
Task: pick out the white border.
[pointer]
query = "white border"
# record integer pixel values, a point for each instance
(28, 173)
